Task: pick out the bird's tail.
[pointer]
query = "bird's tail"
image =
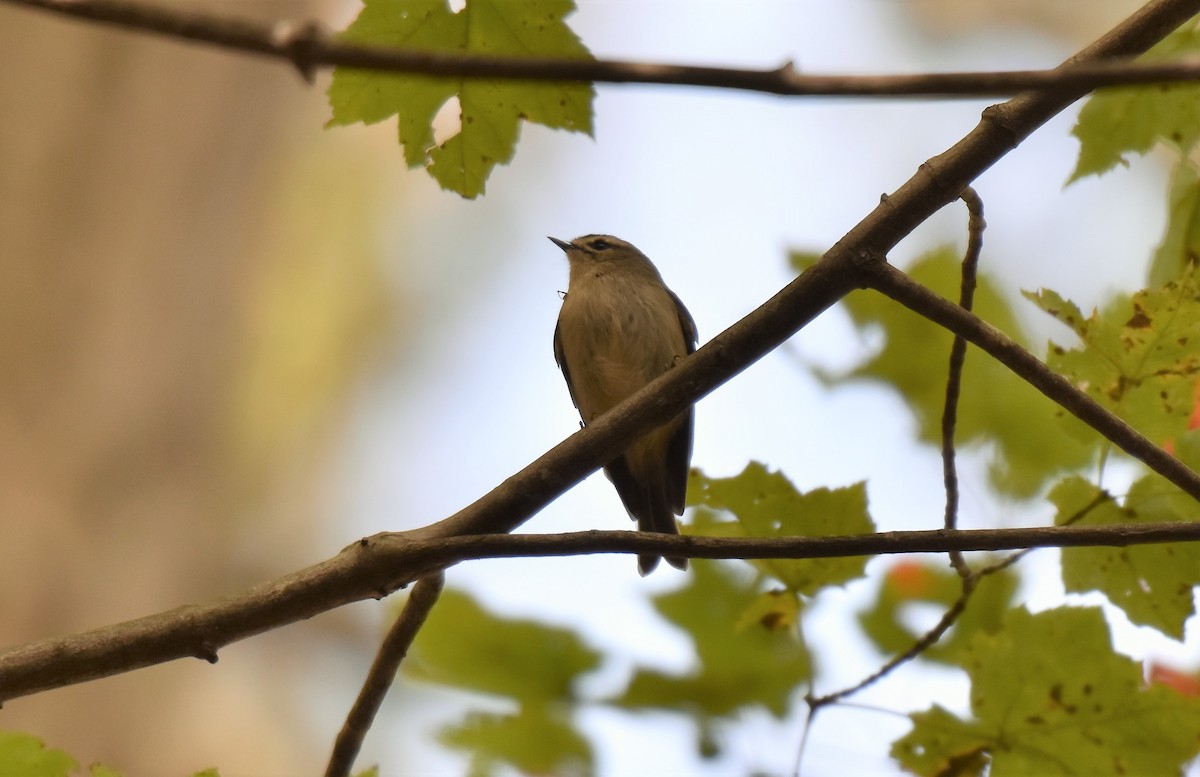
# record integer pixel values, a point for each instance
(657, 516)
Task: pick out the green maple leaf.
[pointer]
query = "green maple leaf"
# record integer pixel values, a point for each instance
(465, 646)
(25, 755)
(1124, 120)
(766, 504)
(532, 664)
(741, 664)
(534, 740)
(491, 110)
(1151, 583)
(1140, 358)
(1050, 697)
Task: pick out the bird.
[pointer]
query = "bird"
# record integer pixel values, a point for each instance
(619, 328)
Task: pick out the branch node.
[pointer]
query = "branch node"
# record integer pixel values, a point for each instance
(1000, 117)
(787, 72)
(868, 258)
(300, 42)
(207, 652)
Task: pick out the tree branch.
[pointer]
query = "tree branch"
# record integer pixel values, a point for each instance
(369, 569)
(307, 47)
(899, 287)
(383, 670)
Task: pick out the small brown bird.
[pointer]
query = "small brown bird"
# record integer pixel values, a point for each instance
(620, 327)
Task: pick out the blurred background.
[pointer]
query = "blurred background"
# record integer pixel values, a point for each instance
(232, 342)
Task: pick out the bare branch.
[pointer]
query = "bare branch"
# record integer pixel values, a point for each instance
(307, 47)
(918, 647)
(383, 670)
(378, 565)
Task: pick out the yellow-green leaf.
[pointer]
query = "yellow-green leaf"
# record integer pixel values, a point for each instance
(27, 756)
(466, 646)
(766, 504)
(741, 664)
(1151, 583)
(533, 741)
(491, 111)
(1118, 121)
(1050, 697)
(1180, 246)
(1141, 355)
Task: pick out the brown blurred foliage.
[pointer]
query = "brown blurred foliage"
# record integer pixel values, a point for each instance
(187, 284)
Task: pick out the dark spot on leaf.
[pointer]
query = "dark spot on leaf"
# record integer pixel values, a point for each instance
(1140, 320)
(1035, 720)
(1056, 693)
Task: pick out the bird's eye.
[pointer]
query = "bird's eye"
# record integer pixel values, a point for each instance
(600, 244)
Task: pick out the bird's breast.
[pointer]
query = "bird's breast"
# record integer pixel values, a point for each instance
(617, 336)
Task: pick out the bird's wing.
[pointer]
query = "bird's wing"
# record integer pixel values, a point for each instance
(679, 449)
(686, 322)
(561, 358)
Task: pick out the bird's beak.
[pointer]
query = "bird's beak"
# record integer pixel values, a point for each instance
(564, 245)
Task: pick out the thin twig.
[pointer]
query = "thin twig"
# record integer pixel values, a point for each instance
(970, 583)
(383, 670)
(306, 47)
(918, 647)
(1077, 516)
(958, 354)
(958, 357)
